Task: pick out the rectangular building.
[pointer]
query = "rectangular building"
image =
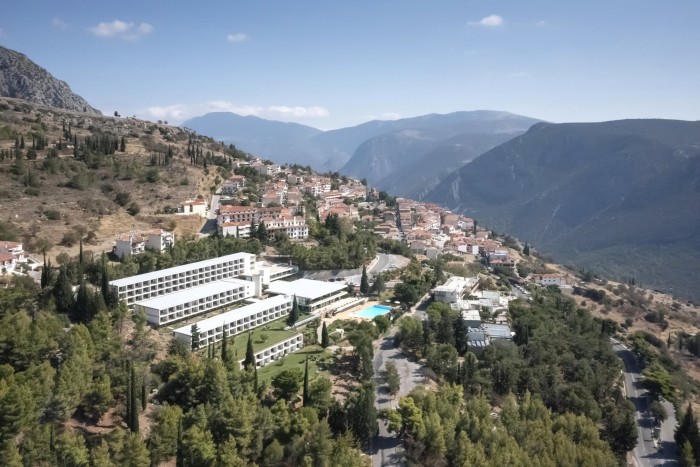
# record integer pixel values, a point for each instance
(311, 295)
(153, 284)
(211, 330)
(194, 300)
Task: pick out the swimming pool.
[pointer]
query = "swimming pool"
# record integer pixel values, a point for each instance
(373, 311)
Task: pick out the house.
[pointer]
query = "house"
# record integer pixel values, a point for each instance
(272, 197)
(232, 185)
(11, 255)
(197, 207)
(454, 288)
(552, 279)
(136, 243)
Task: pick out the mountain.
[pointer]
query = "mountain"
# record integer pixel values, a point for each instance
(617, 197)
(21, 78)
(282, 142)
(374, 150)
(411, 155)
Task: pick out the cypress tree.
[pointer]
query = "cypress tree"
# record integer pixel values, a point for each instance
(224, 346)
(526, 249)
(325, 339)
(144, 393)
(179, 461)
(364, 283)
(195, 337)
(255, 379)
(122, 147)
(249, 353)
(306, 382)
(81, 310)
(63, 292)
(294, 313)
(134, 412)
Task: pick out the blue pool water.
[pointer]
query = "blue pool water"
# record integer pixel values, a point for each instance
(371, 312)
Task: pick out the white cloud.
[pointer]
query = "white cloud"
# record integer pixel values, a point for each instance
(58, 23)
(238, 37)
(122, 30)
(274, 111)
(491, 21)
(171, 113)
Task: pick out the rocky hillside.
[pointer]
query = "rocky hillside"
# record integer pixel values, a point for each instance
(52, 190)
(620, 197)
(21, 78)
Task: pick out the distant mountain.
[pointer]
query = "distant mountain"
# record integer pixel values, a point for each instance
(412, 155)
(21, 78)
(621, 198)
(281, 142)
(421, 149)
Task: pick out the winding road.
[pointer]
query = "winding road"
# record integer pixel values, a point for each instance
(648, 452)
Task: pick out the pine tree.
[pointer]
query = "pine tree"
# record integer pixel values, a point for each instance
(306, 400)
(325, 339)
(195, 337)
(294, 313)
(263, 235)
(379, 286)
(63, 292)
(364, 283)
(249, 353)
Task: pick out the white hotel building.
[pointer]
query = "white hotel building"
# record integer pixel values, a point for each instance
(195, 300)
(168, 281)
(211, 330)
(311, 295)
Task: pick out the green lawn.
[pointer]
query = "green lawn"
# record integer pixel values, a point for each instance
(275, 333)
(319, 360)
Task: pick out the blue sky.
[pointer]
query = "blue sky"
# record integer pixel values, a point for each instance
(331, 64)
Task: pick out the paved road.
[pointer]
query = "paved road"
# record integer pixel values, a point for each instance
(646, 453)
(382, 262)
(386, 448)
(209, 226)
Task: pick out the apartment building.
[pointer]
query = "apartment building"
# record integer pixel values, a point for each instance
(136, 243)
(211, 330)
(311, 295)
(194, 300)
(153, 284)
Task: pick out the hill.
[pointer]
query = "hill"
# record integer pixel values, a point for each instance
(55, 190)
(21, 78)
(617, 197)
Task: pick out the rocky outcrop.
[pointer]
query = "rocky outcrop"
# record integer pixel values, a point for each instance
(21, 78)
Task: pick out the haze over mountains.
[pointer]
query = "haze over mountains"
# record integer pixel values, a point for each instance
(23, 79)
(621, 198)
(406, 156)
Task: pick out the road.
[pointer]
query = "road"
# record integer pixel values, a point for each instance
(386, 448)
(382, 262)
(209, 226)
(646, 453)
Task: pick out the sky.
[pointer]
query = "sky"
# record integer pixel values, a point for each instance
(332, 64)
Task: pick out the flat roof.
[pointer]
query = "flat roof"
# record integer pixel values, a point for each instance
(234, 315)
(177, 269)
(306, 288)
(498, 331)
(193, 293)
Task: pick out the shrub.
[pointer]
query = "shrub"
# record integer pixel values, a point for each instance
(31, 191)
(122, 198)
(133, 209)
(69, 238)
(52, 214)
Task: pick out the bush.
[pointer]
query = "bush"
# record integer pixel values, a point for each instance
(31, 191)
(133, 209)
(122, 198)
(52, 214)
(70, 238)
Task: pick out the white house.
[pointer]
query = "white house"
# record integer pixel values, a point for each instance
(197, 207)
(136, 243)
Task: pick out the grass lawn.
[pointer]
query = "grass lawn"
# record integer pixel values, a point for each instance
(319, 359)
(275, 333)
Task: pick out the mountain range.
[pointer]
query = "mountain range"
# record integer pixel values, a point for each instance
(406, 156)
(621, 198)
(21, 78)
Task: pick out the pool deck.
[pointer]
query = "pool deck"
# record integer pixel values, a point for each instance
(386, 309)
(348, 314)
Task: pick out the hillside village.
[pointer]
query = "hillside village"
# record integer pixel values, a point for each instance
(207, 247)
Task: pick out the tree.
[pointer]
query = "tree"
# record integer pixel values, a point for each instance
(224, 347)
(306, 400)
(687, 457)
(620, 428)
(262, 233)
(391, 375)
(382, 323)
(294, 313)
(658, 412)
(249, 353)
(379, 286)
(364, 283)
(10, 454)
(135, 451)
(122, 145)
(287, 383)
(362, 414)
(194, 330)
(526, 249)
(688, 432)
(325, 339)
(63, 292)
